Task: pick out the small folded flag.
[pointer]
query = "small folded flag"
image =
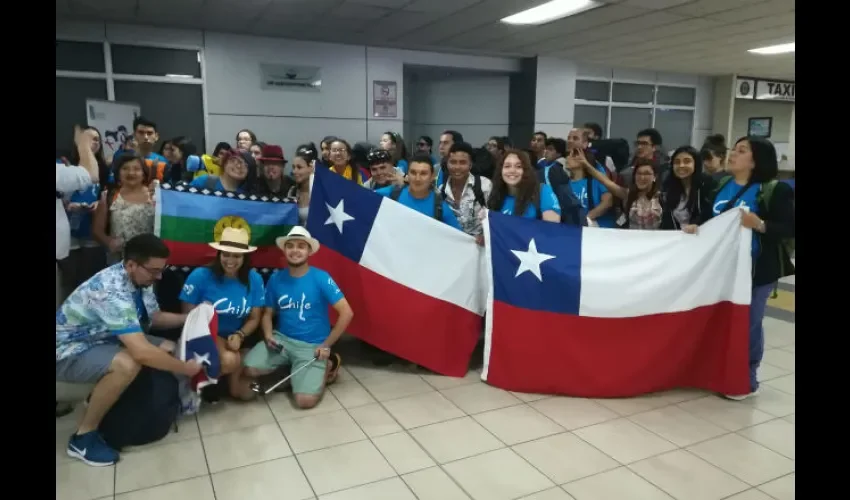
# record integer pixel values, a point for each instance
(198, 343)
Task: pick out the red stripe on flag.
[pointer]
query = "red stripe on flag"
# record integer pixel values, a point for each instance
(419, 328)
(549, 353)
(201, 254)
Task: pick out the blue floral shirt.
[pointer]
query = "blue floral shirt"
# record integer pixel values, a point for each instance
(101, 309)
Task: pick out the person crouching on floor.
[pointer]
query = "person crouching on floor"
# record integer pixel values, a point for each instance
(237, 294)
(300, 295)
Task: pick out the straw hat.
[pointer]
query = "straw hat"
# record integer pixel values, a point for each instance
(234, 240)
(299, 233)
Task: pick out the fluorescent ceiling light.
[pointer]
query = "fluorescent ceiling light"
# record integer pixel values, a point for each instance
(550, 11)
(782, 48)
(174, 75)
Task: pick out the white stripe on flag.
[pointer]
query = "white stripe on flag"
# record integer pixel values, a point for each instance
(637, 273)
(425, 255)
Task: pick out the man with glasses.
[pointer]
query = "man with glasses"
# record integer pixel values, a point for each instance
(101, 339)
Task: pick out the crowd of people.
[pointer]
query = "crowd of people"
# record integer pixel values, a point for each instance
(108, 258)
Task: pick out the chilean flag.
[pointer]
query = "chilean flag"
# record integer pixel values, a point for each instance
(198, 342)
(413, 282)
(595, 312)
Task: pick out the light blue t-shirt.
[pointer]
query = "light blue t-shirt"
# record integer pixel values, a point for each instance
(402, 165)
(548, 201)
(747, 199)
(230, 298)
(579, 188)
(200, 182)
(424, 206)
(302, 303)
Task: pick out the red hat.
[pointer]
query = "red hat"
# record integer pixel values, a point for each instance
(272, 153)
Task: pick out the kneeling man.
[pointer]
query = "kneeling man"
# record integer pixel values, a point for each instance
(300, 295)
(100, 339)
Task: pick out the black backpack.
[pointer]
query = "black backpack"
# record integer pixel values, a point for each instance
(571, 210)
(616, 149)
(146, 411)
(476, 190)
(438, 201)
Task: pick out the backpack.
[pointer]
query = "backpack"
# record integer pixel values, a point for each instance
(438, 201)
(616, 149)
(476, 191)
(571, 210)
(146, 411)
(763, 197)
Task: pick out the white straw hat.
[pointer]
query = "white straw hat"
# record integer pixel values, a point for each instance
(299, 233)
(233, 240)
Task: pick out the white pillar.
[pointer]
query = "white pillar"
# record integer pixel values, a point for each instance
(790, 153)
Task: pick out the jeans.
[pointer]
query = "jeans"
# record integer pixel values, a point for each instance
(758, 304)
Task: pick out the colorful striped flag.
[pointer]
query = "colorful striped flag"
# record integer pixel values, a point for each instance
(187, 219)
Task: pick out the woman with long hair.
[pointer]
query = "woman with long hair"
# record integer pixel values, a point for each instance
(340, 158)
(753, 184)
(238, 174)
(245, 139)
(394, 143)
(238, 295)
(687, 192)
(177, 151)
(303, 166)
(516, 190)
(641, 200)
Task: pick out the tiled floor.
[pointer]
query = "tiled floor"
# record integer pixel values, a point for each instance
(397, 434)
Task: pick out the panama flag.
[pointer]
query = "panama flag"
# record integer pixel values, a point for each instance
(188, 218)
(594, 312)
(413, 282)
(198, 343)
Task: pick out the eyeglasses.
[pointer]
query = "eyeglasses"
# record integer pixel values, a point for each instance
(156, 273)
(339, 150)
(643, 143)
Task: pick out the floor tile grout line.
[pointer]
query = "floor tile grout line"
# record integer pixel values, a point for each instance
(286, 440)
(381, 404)
(206, 460)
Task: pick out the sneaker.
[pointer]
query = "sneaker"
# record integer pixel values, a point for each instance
(91, 449)
(740, 397)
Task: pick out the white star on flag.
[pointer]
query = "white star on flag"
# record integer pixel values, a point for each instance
(337, 215)
(530, 261)
(202, 360)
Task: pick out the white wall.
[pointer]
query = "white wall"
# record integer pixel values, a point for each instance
(554, 104)
(475, 106)
(781, 112)
(235, 99)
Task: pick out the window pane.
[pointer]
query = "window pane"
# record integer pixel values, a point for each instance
(627, 122)
(176, 108)
(133, 60)
(675, 126)
(677, 96)
(591, 114)
(71, 95)
(633, 92)
(80, 56)
(592, 91)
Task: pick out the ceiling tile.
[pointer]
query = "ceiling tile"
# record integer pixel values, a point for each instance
(759, 10)
(358, 11)
(397, 25)
(481, 14)
(703, 7)
(63, 7)
(389, 4)
(305, 11)
(155, 11)
(655, 4)
(439, 6)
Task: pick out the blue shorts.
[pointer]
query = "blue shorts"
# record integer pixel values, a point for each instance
(90, 366)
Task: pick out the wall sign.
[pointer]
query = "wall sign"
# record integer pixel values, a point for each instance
(384, 99)
(290, 77)
(114, 120)
(765, 90)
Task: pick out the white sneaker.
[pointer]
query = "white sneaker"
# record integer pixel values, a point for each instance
(741, 397)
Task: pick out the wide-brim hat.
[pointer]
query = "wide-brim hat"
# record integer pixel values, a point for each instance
(299, 233)
(234, 240)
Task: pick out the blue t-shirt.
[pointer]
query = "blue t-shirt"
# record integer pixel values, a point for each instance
(548, 201)
(424, 206)
(200, 182)
(302, 303)
(81, 221)
(747, 199)
(230, 298)
(579, 188)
